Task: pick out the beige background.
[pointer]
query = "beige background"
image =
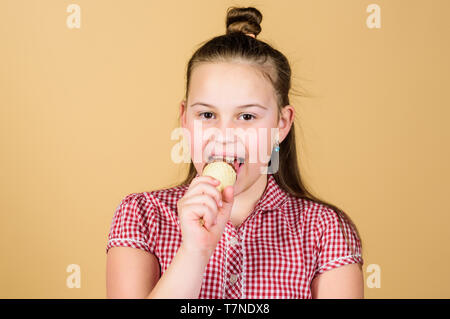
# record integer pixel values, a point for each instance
(86, 117)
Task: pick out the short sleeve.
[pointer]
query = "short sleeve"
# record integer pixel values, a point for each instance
(334, 249)
(133, 224)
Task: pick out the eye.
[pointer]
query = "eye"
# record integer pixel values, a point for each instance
(209, 115)
(248, 116)
(205, 113)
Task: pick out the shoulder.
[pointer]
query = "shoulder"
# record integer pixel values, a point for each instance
(304, 210)
(166, 197)
(147, 203)
(139, 218)
(313, 217)
(303, 216)
(328, 232)
(336, 235)
(331, 220)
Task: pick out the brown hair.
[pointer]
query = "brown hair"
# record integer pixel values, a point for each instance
(237, 46)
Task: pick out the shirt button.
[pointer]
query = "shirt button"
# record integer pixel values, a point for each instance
(233, 241)
(233, 278)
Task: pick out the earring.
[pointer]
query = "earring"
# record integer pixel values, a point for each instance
(277, 146)
(274, 159)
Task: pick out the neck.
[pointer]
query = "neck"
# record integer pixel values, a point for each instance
(245, 202)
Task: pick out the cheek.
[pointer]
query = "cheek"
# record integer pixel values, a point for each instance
(190, 138)
(259, 146)
(197, 143)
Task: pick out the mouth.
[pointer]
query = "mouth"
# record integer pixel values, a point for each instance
(235, 162)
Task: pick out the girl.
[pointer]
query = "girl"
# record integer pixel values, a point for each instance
(264, 237)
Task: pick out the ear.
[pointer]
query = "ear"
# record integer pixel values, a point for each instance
(183, 110)
(285, 121)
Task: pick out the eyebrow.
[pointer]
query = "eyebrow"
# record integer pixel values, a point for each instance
(239, 107)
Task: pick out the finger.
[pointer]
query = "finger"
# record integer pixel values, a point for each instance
(225, 211)
(197, 211)
(203, 200)
(205, 188)
(203, 179)
(228, 194)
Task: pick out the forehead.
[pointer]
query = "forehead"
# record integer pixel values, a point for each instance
(229, 84)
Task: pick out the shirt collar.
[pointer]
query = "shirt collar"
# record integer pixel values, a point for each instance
(273, 197)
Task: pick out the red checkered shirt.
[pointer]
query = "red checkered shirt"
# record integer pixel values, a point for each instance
(275, 253)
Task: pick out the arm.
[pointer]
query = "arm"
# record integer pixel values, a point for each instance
(130, 272)
(339, 283)
(183, 278)
(135, 273)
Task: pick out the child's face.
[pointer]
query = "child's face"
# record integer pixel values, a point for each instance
(226, 87)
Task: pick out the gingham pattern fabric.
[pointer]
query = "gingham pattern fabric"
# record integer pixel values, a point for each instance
(275, 253)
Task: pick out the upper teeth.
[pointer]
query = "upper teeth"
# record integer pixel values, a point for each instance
(228, 159)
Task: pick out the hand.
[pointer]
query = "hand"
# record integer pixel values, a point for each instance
(202, 201)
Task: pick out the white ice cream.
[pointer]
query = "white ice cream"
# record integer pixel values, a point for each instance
(221, 171)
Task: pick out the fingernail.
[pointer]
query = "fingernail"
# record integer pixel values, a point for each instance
(220, 203)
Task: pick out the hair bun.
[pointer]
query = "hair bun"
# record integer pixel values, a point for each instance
(246, 20)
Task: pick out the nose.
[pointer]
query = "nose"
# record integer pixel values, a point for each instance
(224, 138)
(226, 132)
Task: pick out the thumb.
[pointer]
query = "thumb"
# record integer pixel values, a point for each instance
(228, 195)
(227, 200)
